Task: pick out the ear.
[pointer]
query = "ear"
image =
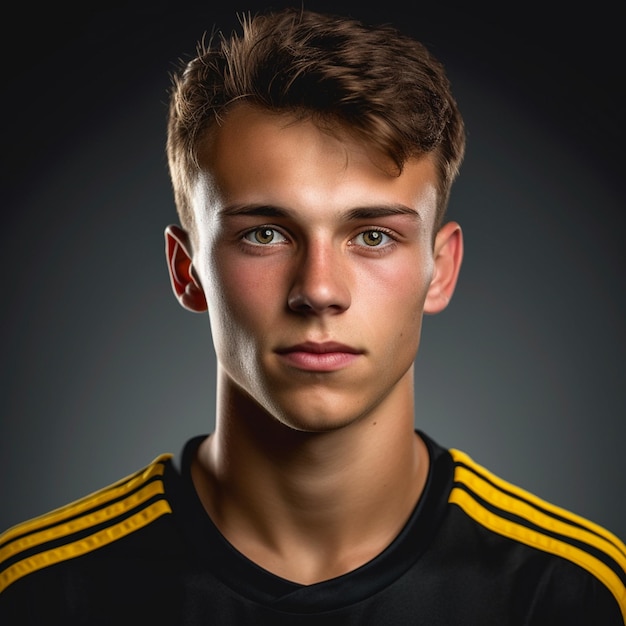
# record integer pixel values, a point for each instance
(185, 283)
(448, 255)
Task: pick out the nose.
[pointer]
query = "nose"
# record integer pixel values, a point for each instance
(320, 282)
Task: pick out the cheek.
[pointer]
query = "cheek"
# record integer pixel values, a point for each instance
(408, 289)
(392, 300)
(398, 286)
(244, 293)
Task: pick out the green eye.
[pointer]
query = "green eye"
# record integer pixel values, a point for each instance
(373, 238)
(264, 236)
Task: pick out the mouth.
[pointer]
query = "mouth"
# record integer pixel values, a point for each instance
(311, 356)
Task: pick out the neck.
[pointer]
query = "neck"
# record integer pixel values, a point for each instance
(309, 506)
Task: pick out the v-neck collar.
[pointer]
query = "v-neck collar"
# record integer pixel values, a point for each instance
(213, 552)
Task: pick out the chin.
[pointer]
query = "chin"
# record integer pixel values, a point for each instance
(317, 421)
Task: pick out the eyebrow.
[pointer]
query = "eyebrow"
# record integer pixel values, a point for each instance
(372, 212)
(357, 213)
(262, 210)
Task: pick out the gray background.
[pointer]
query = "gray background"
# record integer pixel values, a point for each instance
(101, 368)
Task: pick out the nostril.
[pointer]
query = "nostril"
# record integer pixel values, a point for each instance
(298, 302)
(319, 301)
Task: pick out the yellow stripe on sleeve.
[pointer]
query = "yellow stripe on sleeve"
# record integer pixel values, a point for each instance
(461, 457)
(511, 499)
(521, 508)
(532, 538)
(82, 546)
(78, 524)
(98, 498)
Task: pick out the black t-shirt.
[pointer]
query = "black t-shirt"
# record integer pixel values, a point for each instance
(476, 551)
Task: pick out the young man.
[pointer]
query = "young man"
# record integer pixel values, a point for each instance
(312, 159)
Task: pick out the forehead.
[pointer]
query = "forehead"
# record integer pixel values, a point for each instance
(261, 157)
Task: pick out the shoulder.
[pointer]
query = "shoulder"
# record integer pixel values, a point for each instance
(552, 534)
(85, 526)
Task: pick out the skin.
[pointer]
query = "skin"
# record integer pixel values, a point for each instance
(316, 263)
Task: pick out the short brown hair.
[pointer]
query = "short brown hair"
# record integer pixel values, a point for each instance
(384, 87)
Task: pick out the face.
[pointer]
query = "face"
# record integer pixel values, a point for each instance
(317, 264)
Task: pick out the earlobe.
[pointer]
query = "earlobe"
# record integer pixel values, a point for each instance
(185, 284)
(448, 255)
